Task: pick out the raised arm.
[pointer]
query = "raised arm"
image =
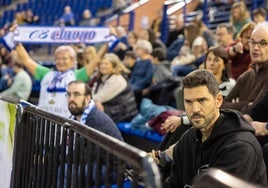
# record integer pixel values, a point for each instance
(25, 58)
(90, 67)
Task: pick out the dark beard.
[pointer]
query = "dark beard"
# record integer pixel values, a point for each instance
(76, 111)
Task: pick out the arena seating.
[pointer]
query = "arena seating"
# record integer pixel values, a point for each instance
(49, 11)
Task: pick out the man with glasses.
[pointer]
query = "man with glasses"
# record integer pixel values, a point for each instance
(251, 85)
(83, 109)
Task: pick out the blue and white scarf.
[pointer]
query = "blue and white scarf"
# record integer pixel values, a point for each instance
(56, 34)
(56, 84)
(86, 112)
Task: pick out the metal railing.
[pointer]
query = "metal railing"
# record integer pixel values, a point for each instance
(51, 151)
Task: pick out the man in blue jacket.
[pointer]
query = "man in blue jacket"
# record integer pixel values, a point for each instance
(84, 110)
(221, 139)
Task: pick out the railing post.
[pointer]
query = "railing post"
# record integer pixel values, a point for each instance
(131, 20)
(205, 6)
(164, 25)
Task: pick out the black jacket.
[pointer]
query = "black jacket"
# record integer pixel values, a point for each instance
(231, 147)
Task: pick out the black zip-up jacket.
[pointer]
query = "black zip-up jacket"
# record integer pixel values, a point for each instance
(231, 147)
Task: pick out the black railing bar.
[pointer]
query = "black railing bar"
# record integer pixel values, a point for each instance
(107, 142)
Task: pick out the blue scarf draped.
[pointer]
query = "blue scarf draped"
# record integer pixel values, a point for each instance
(86, 112)
(56, 84)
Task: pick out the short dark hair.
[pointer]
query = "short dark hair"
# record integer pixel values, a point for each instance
(87, 88)
(201, 77)
(159, 53)
(260, 11)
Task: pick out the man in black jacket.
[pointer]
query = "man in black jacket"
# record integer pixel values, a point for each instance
(220, 139)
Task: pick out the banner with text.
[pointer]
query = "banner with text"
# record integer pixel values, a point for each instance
(31, 34)
(7, 129)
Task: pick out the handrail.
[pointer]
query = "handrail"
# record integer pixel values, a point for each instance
(52, 150)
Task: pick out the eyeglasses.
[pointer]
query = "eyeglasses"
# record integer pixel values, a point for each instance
(74, 94)
(260, 44)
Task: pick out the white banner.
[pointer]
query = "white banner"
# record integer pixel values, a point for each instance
(30, 34)
(7, 129)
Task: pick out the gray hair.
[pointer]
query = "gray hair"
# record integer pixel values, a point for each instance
(145, 45)
(68, 49)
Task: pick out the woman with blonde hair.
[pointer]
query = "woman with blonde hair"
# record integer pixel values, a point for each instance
(111, 91)
(239, 16)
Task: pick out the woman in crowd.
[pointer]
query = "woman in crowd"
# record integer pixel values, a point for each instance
(192, 53)
(111, 91)
(217, 62)
(239, 51)
(239, 16)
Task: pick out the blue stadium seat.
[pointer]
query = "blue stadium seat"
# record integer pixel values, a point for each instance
(148, 134)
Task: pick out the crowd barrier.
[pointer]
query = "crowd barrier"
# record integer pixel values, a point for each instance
(51, 151)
